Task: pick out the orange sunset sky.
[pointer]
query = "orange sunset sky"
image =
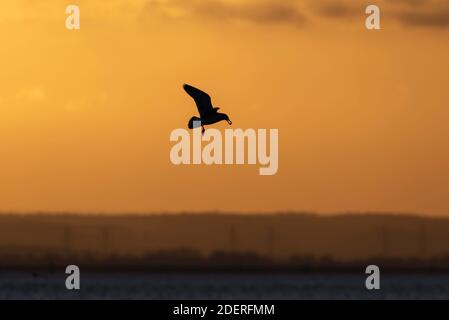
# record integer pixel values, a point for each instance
(85, 116)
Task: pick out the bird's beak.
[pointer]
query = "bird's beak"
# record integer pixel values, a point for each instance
(230, 122)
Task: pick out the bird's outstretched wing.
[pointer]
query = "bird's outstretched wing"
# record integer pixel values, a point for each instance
(202, 99)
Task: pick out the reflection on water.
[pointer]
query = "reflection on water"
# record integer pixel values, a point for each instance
(222, 286)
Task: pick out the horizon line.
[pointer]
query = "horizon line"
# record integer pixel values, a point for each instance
(221, 213)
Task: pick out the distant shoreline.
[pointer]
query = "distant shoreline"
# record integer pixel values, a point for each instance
(39, 213)
(218, 240)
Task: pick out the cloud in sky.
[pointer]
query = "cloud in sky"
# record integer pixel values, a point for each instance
(262, 11)
(430, 13)
(429, 18)
(336, 9)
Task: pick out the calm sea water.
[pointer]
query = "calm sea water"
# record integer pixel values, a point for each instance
(222, 286)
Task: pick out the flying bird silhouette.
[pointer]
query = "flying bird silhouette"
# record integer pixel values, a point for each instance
(208, 113)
